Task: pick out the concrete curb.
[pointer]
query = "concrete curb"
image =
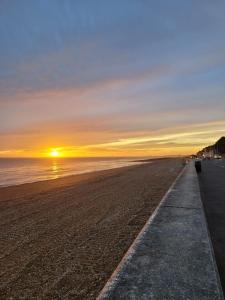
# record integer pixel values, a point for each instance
(172, 257)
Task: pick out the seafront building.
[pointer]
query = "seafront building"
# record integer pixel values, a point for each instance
(213, 150)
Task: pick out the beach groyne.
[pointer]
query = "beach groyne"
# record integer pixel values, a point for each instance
(172, 257)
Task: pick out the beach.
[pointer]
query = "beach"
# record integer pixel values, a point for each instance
(63, 238)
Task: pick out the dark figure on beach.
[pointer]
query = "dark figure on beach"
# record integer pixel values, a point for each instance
(198, 166)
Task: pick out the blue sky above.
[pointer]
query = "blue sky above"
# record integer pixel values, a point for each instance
(126, 68)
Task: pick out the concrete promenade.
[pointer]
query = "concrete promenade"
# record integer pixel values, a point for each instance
(172, 257)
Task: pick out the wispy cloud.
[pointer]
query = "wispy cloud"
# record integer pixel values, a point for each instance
(112, 76)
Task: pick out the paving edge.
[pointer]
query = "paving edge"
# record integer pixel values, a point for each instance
(116, 276)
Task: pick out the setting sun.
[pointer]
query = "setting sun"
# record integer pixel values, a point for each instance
(54, 153)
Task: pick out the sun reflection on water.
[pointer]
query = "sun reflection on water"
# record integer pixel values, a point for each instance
(55, 169)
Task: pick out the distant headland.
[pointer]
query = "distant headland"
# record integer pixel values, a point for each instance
(217, 149)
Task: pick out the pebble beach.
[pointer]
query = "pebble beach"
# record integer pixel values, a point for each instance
(63, 238)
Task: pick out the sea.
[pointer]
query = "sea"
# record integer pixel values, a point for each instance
(14, 171)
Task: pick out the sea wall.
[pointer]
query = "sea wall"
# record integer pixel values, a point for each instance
(172, 257)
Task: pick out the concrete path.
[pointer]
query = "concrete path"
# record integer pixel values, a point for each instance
(212, 185)
(172, 257)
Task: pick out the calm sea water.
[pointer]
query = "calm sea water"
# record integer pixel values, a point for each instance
(19, 170)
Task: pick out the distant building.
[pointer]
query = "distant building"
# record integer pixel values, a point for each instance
(217, 149)
(220, 146)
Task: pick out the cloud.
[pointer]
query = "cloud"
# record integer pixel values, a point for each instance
(86, 73)
(64, 44)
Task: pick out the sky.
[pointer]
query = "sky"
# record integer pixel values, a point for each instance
(111, 78)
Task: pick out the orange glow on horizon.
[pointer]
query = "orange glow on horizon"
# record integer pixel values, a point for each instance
(171, 142)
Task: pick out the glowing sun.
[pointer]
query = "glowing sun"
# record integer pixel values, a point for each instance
(54, 153)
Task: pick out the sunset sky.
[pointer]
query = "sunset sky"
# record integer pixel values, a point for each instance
(111, 78)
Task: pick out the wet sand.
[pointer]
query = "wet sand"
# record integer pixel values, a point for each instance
(62, 239)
